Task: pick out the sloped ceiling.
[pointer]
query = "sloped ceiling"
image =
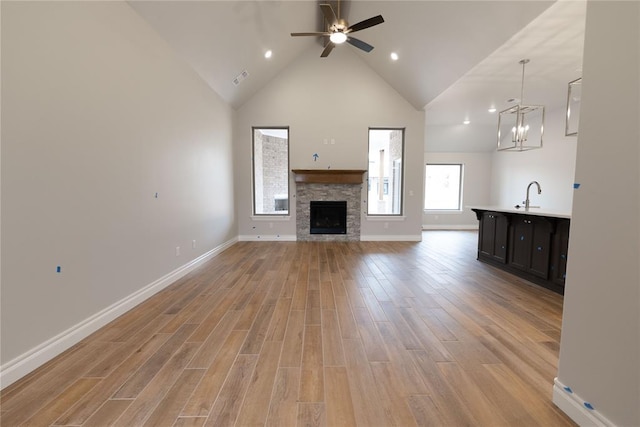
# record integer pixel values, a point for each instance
(437, 41)
(455, 56)
(553, 42)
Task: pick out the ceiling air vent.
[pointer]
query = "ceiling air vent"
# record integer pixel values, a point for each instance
(240, 77)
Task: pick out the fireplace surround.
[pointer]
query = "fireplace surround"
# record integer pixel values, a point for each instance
(328, 186)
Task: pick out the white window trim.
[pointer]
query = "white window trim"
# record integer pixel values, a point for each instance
(386, 218)
(389, 217)
(270, 217)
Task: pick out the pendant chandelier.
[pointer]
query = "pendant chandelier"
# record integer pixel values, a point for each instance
(520, 128)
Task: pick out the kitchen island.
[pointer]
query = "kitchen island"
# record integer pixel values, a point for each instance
(531, 244)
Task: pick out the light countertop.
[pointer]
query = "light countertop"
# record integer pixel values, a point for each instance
(531, 211)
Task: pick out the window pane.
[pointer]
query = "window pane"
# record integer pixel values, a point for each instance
(442, 188)
(271, 171)
(386, 151)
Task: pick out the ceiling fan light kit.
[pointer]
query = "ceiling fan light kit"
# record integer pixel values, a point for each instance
(338, 38)
(521, 127)
(339, 30)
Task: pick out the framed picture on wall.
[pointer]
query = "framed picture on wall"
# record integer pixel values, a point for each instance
(574, 94)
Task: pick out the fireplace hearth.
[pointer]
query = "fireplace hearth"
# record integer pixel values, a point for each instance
(328, 217)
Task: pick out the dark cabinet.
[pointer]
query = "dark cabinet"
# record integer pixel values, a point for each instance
(494, 228)
(559, 254)
(531, 245)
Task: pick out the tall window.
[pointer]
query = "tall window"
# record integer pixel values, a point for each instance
(443, 187)
(386, 152)
(271, 171)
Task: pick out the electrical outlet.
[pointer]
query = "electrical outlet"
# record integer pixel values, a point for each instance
(193, 244)
(270, 225)
(386, 225)
(177, 250)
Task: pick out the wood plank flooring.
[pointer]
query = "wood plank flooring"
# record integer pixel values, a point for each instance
(315, 334)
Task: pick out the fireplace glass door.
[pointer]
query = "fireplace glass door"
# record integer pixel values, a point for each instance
(328, 217)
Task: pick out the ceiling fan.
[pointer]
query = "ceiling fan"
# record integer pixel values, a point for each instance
(339, 30)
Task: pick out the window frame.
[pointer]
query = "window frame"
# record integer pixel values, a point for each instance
(286, 213)
(460, 189)
(402, 173)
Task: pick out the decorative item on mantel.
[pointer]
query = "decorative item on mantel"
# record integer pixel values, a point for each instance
(574, 95)
(520, 128)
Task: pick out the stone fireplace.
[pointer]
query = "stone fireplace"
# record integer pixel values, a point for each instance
(328, 186)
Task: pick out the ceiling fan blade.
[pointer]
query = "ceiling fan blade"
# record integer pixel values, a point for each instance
(359, 44)
(327, 50)
(328, 13)
(365, 24)
(310, 34)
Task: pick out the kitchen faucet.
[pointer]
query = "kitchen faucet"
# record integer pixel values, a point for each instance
(526, 202)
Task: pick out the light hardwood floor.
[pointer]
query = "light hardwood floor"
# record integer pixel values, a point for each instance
(328, 334)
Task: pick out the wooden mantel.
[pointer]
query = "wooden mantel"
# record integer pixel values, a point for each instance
(329, 176)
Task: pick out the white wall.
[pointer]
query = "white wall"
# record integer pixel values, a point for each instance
(476, 187)
(600, 346)
(98, 117)
(553, 166)
(338, 98)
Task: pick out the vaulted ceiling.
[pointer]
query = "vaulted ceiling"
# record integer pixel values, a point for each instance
(456, 58)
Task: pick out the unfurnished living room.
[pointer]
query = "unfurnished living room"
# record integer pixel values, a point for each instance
(331, 213)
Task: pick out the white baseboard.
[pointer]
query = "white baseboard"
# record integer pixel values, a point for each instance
(363, 238)
(39, 355)
(448, 227)
(390, 238)
(268, 238)
(575, 407)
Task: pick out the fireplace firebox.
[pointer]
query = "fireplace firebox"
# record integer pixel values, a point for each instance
(328, 217)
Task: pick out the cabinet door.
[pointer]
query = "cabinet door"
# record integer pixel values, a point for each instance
(521, 231)
(561, 248)
(492, 241)
(540, 248)
(487, 234)
(500, 240)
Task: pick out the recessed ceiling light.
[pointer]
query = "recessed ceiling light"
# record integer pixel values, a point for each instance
(466, 122)
(492, 109)
(394, 56)
(268, 54)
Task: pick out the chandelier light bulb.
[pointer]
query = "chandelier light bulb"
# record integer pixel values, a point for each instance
(519, 134)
